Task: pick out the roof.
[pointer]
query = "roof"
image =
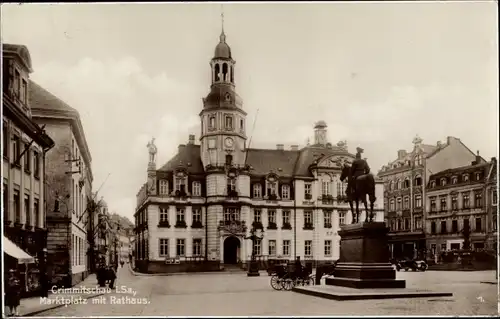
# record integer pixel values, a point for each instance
(460, 170)
(41, 99)
(222, 96)
(21, 50)
(222, 50)
(282, 162)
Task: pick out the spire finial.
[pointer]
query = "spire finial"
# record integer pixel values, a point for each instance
(222, 35)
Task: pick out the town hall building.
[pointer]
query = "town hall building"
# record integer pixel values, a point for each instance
(197, 211)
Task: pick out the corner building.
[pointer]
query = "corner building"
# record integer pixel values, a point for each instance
(194, 212)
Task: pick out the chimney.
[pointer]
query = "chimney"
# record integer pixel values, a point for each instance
(449, 139)
(294, 147)
(439, 144)
(493, 160)
(478, 158)
(280, 147)
(191, 139)
(401, 154)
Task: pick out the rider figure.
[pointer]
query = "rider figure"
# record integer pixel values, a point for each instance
(359, 167)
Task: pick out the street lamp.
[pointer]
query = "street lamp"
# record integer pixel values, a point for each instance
(255, 234)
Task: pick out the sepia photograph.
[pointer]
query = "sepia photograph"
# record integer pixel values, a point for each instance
(251, 159)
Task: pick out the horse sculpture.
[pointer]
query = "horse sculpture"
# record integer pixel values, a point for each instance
(357, 190)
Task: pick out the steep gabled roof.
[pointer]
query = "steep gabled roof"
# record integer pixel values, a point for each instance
(40, 99)
(189, 157)
(264, 160)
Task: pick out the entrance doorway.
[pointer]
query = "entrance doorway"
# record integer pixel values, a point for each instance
(231, 246)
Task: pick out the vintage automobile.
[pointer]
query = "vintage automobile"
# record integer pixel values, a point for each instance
(414, 265)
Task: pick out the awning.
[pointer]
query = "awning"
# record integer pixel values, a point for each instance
(13, 250)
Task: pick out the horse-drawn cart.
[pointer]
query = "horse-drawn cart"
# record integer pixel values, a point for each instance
(287, 277)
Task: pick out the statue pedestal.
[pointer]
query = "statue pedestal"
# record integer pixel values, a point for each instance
(364, 258)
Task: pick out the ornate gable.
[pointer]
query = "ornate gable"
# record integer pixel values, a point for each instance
(335, 161)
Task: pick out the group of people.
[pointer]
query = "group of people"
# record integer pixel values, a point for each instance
(106, 274)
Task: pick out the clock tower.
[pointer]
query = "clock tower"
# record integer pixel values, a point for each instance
(223, 128)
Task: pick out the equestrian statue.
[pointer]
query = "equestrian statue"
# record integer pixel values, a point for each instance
(360, 182)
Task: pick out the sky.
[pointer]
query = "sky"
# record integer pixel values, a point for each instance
(377, 73)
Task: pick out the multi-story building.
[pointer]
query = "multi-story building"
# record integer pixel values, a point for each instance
(456, 200)
(69, 186)
(405, 190)
(491, 201)
(24, 149)
(203, 203)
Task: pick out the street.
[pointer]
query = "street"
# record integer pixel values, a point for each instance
(237, 294)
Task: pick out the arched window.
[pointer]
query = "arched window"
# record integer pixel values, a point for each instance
(398, 184)
(406, 183)
(232, 74)
(417, 180)
(391, 185)
(224, 72)
(454, 180)
(217, 73)
(443, 181)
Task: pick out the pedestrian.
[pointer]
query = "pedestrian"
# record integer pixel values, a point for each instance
(13, 293)
(122, 262)
(111, 277)
(44, 284)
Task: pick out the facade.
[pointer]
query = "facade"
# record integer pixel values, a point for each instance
(491, 202)
(24, 149)
(405, 191)
(69, 186)
(203, 203)
(456, 199)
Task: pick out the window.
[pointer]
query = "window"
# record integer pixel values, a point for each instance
(257, 215)
(418, 222)
(478, 176)
(180, 215)
(272, 247)
(231, 185)
(258, 247)
(6, 144)
(307, 190)
(392, 205)
(433, 184)
(454, 226)
(454, 202)
(17, 206)
(196, 215)
(242, 125)
(229, 122)
(398, 184)
(494, 221)
(433, 227)
(196, 189)
(478, 200)
(454, 180)
(328, 219)
(398, 205)
(443, 203)
(16, 148)
(393, 224)
(163, 187)
(36, 209)
(418, 180)
(418, 160)
(433, 249)
(443, 181)
(443, 247)
(181, 247)
(406, 204)
(407, 223)
(196, 246)
(271, 215)
(479, 225)
(211, 122)
(308, 218)
(443, 227)
(257, 190)
(24, 91)
(17, 84)
(466, 224)
(325, 188)
(465, 177)
(163, 214)
(285, 192)
(341, 218)
(286, 217)
(271, 188)
(406, 183)
(418, 201)
(328, 248)
(27, 211)
(180, 184)
(465, 201)
(231, 214)
(494, 198)
(308, 248)
(286, 248)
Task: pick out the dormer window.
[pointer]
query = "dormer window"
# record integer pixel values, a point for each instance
(163, 187)
(229, 122)
(465, 177)
(180, 183)
(285, 192)
(24, 92)
(478, 176)
(433, 183)
(454, 180)
(443, 182)
(271, 188)
(257, 191)
(196, 188)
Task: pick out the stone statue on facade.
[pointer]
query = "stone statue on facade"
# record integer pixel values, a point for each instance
(152, 150)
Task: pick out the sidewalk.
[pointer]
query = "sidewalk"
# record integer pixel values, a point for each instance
(220, 272)
(35, 305)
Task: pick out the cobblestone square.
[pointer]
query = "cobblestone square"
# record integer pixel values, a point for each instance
(237, 294)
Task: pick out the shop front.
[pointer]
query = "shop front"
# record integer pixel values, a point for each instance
(407, 246)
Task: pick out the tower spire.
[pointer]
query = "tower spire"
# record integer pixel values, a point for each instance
(222, 34)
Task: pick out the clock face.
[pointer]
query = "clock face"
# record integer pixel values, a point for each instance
(229, 142)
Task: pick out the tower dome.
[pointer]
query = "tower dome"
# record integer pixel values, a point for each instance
(222, 50)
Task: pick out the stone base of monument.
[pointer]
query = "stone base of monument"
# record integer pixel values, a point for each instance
(364, 270)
